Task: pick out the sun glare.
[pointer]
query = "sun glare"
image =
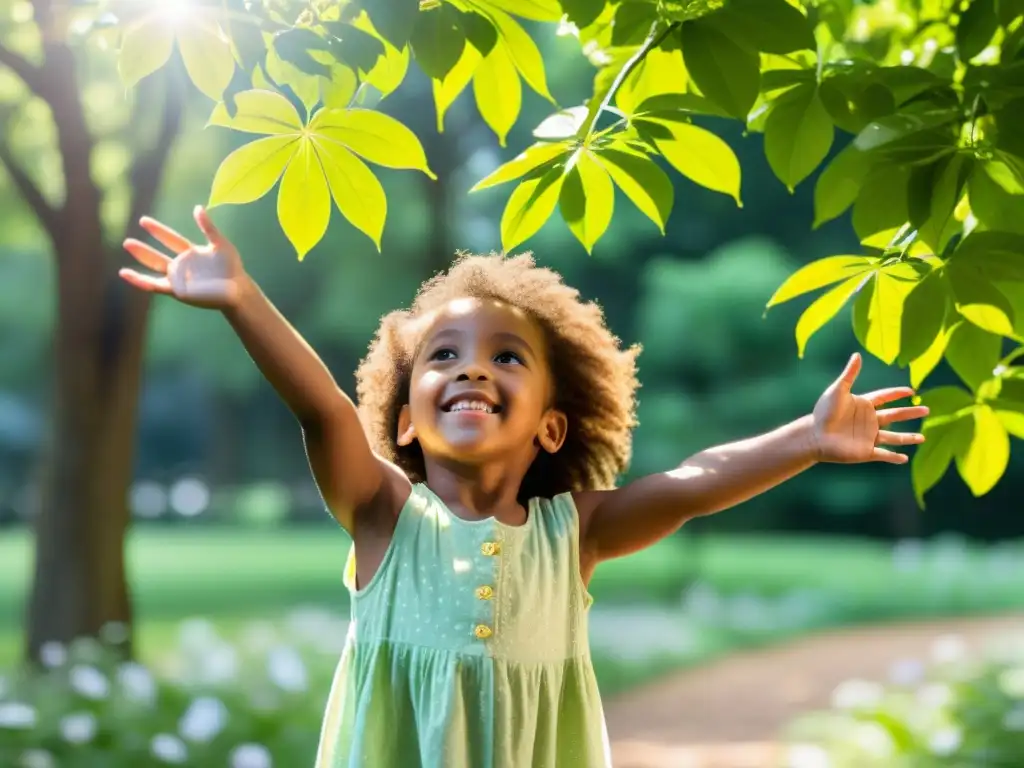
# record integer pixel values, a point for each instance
(174, 11)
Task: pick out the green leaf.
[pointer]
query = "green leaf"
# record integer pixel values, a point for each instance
(248, 173)
(536, 157)
(499, 94)
(942, 192)
(259, 111)
(676, 107)
(820, 273)
(932, 458)
(480, 31)
(293, 46)
(660, 73)
(945, 401)
(922, 366)
(393, 19)
(438, 41)
(726, 73)
(881, 206)
(522, 50)
(853, 103)
(980, 301)
(977, 26)
(377, 137)
(702, 157)
(984, 460)
(797, 135)
(304, 200)
(207, 56)
(529, 207)
(146, 45)
(356, 191)
(768, 26)
(535, 10)
(823, 309)
(583, 13)
(391, 68)
(285, 77)
(587, 199)
(839, 184)
(562, 125)
(996, 197)
(973, 353)
(354, 46)
(448, 90)
(994, 256)
(642, 181)
(337, 91)
(878, 310)
(912, 137)
(924, 316)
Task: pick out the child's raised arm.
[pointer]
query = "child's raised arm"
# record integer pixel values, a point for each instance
(844, 428)
(347, 471)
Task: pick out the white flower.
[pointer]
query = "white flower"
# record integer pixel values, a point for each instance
(114, 633)
(137, 682)
(89, 682)
(946, 741)
(17, 716)
(37, 758)
(250, 756)
(874, 739)
(906, 672)
(856, 694)
(259, 636)
(286, 670)
(168, 748)
(935, 695)
(807, 756)
(53, 654)
(197, 635)
(203, 720)
(78, 727)
(1011, 681)
(949, 649)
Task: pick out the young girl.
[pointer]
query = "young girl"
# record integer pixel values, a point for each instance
(478, 488)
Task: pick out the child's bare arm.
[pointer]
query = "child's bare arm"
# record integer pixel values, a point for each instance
(844, 428)
(349, 474)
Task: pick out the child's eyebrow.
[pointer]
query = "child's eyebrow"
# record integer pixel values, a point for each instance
(514, 339)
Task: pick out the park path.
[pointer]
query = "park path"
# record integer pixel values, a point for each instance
(728, 713)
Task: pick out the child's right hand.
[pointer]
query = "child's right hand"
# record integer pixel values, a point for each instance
(208, 275)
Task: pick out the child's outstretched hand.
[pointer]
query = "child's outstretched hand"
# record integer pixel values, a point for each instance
(848, 429)
(208, 275)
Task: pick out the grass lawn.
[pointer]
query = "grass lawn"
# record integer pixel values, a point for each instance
(233, 576)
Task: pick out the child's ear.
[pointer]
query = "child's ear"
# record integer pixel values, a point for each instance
(406, 431)
(552, 431)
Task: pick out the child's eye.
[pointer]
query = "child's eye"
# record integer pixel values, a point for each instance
(443, 355)
(507, 358)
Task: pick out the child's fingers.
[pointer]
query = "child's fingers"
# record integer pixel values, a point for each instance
(892, 415)
(849, 375)
(889, 457)
(207, 226)
(883, 396)
(170, 238)
(886, 437)
(143, 282)
(147, 255)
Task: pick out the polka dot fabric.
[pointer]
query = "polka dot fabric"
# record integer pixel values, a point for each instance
(468, 648)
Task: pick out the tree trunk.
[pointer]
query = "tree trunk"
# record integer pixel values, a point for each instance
(80, 582)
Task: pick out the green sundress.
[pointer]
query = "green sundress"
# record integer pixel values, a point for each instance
(468, 648)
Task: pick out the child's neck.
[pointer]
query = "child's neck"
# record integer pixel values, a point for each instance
(478, 493)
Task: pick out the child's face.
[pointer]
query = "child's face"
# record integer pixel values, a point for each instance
(481, 387)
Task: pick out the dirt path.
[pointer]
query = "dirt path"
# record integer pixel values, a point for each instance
(727, 714)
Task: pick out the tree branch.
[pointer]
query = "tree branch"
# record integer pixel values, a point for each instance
(23, 68)
(49, 217)
(148, 169)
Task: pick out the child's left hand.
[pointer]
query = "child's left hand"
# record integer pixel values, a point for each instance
(848, 429)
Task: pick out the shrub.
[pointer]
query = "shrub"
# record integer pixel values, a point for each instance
(955, 711)
(255, 703)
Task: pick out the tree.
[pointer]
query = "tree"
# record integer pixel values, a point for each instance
(84, 171)
(923, 99)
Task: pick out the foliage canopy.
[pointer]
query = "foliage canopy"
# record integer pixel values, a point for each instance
(931, 91)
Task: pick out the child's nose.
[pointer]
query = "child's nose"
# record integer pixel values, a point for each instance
(473, 371)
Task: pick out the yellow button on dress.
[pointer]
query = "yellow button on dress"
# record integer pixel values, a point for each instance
(468, 648)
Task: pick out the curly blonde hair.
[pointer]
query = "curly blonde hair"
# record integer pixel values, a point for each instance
(595, 379)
